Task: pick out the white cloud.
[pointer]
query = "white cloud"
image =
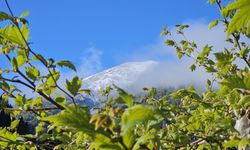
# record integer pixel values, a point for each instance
(90, 62)
(197, 32)
(170, 74)
(171, 71)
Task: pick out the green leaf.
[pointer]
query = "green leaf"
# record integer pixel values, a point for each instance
(236, 81)
(109, 146)
(244, 100)
(74, 85)
(14, 124)
(7, 138)
(152, 92)
(53, 78)
(19, 100)
(24, 14)
(20, 60)
(231, 143)
(244, 143)
(204, 146)
(124, 97)
(142, 140)
(244, 51)
(61, 99)
(180, 55)
(212, 1)
(37, 102)
(205, 52)
(32, 72)
(192, 67)
(241, 20)
(14, 64)
(76, 119)
(86, 91)
(12, 34)
(66, 63)
(4, 16)
(169, 42)
(133, 116)
(213, 24)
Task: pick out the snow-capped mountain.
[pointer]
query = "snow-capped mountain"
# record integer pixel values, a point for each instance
(134, 76)
(124, 75)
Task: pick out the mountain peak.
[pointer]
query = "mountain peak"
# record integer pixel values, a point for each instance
(123, 75)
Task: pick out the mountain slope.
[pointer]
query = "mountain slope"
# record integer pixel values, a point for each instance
(124, 75)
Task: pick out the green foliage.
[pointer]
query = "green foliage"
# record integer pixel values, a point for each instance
(66, 63)
(241, 19)
(184, 119)
(12, 34)
(4, 16)
(213, 24)
(7, 138)
(132, 117)
(124, 98)
(77, 119)
(74, 85)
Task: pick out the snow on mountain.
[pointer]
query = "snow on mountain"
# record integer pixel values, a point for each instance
(124, 75)
(133, 76)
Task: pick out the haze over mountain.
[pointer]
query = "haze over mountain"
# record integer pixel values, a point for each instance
(133, 76)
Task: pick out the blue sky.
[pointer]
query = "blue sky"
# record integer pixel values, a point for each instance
(107, 30)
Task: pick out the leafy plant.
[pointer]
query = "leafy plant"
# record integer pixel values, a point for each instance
(214, 119)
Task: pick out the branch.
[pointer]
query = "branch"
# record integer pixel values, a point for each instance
(39, 92)
(30, 50)
(36, 110)
(234, 35)
(18, 81)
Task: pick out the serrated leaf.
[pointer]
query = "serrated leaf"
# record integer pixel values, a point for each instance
(12, 34)
(132, 116)
(74, 85)
(244, 51)
(52, 79)
(205, 52)
(124, 97)
(4, 16)
(76, 119)
(32, 72)
(7, 138)
(19, 100)
(66, 63)
(241, 19)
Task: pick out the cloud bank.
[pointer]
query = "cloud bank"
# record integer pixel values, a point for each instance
(173, 72)
(169, 70)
